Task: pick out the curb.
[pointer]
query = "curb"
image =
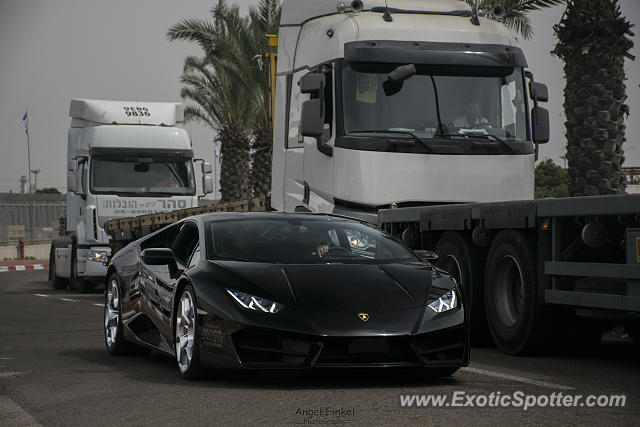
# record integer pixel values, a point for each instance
(5, 268)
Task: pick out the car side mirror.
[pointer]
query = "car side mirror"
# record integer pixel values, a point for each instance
(540, 125)
(427, 256)
(158, 256)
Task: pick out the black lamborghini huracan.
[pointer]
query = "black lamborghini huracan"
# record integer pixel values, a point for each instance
(283, 291)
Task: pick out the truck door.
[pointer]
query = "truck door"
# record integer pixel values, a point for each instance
(318, 153)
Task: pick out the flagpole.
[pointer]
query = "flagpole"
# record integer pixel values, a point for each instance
(29, 174)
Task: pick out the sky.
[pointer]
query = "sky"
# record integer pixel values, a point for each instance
(54, 50)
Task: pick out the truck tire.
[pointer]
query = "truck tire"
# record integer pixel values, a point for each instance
(58, 283)
(515, 319)
(465, 262)
(79, 283)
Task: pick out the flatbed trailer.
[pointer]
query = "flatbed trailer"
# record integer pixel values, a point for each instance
(535, 268)
(125, 230)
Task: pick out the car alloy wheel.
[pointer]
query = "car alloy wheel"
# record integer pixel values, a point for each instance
(185, 331)
(112, 314)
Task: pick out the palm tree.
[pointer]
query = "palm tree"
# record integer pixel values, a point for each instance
(229, 88)
(246, 51)
(215, 96)
(593, 42)
(515, 12)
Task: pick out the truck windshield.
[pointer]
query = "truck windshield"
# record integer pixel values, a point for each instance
(142, 176)
(295, 241)
(472, 102)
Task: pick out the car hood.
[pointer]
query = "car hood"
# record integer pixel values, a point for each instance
(330, 287)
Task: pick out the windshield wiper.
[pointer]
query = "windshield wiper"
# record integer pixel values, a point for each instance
(499, 140)
(400, 132)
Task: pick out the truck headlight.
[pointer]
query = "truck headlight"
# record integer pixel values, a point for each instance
(446, 302)
(98, 256)
(251, 302)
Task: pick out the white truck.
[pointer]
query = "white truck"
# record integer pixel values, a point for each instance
(420, 116)
(124, 159)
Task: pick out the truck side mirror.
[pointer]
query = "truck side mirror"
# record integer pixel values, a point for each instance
(79, 179)
(540, 125)
(538, 92)
(312, 83)
(312, 118)
(71, 176)
(312, 114)
(207, 184)
(206, 168)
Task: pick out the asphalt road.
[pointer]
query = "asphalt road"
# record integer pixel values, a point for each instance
(54, 370)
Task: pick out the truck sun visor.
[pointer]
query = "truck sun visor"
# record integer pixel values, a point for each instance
(463, 54)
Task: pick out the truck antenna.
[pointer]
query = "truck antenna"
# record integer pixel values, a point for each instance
(387, 13)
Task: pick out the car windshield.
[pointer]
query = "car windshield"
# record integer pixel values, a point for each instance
(301, 241)
(142, 176)
(470, 102)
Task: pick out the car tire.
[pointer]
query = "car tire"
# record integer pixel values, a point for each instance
(113, 327)
(463, 260)
(515, 320)
(58, 283)
(187, 336)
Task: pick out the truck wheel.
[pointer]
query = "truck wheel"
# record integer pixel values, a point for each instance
(78, 283)
(58, 283)
(464, 261)
(514, 318)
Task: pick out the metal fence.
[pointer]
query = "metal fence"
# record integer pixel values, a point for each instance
(33, 218)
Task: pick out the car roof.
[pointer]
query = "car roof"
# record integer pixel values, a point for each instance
(220, 216)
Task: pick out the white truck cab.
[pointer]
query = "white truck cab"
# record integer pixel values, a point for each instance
(420, 102)
(124, 159)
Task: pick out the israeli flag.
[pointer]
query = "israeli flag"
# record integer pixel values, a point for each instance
(25, 119)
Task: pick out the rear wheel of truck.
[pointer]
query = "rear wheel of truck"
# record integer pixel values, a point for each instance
(79, 283)
(465, 262)
(58, 283)
(514, 318)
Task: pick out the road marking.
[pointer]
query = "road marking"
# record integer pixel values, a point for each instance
(524, 380)
(42, 295)
(13, 414)
(10, 374)
(99, 305)
(68, 300)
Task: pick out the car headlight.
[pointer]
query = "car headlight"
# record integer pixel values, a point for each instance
(251, 302)
(446, 302)
(99, 256)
